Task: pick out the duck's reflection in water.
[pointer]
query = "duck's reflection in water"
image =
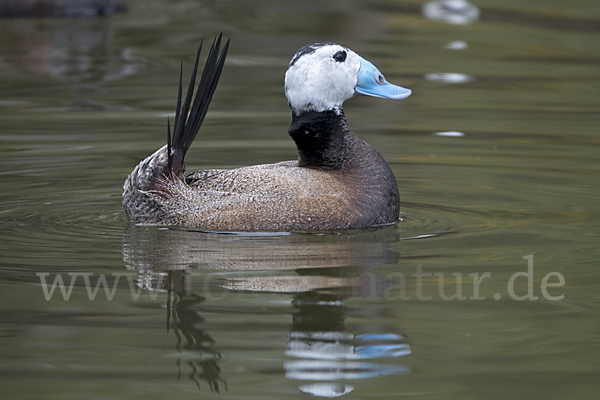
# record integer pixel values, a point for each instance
(184, 321)
(320, 272)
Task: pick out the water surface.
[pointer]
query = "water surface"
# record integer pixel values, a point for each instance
(496, 154)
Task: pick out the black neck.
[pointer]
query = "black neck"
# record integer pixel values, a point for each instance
(323, 139)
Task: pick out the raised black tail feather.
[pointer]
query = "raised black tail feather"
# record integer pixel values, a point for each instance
(188, 122)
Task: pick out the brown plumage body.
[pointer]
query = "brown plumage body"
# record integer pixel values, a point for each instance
(290, 195)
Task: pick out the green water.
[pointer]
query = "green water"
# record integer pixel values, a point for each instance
(367, 314)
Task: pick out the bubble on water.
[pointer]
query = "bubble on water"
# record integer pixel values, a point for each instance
(456, 45)
(449, 134)
(456, 12)
(449, 77)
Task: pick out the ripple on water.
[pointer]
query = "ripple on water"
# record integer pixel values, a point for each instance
(422, 220)
(58, 233)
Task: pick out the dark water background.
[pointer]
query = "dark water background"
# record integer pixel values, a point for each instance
(513, 186)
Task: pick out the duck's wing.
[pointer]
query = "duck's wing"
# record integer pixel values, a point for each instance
(278, 196)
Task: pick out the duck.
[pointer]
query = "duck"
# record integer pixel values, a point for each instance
(338, 182)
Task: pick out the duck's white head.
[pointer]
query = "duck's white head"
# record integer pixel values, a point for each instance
(322, 76)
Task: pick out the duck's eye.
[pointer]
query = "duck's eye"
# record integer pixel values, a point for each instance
(340, 56)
